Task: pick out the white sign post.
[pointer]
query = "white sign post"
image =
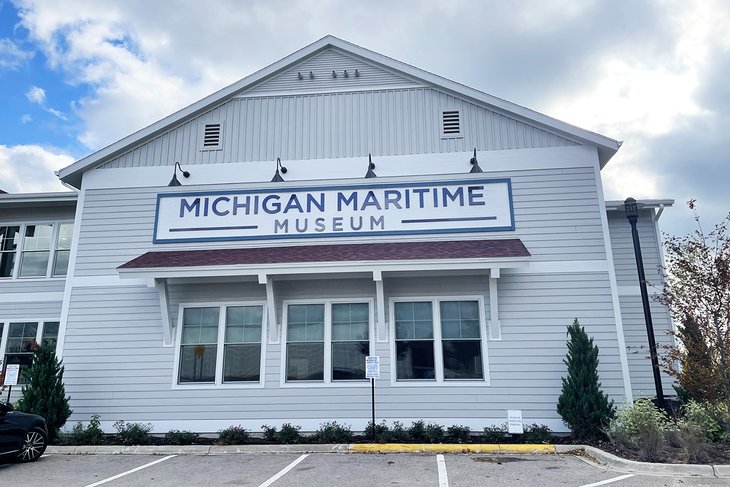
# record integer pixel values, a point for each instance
(514, 422)
(372, 372)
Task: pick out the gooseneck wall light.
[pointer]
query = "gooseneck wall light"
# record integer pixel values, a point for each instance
(174, 181)
(631, 207)
(277, 175)
(475, 164)
(371, 166)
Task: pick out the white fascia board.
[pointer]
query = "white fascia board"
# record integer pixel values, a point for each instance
(37, 199)
(72, 174)
(324, 267)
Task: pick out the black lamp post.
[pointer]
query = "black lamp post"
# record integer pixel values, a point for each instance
(632, 213)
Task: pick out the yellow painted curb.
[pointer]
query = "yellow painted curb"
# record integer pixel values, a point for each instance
(450, 448)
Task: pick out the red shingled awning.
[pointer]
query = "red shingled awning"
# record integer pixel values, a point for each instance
(400, 251)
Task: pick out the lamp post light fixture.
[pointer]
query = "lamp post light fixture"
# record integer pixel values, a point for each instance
(174, 181)
(631, 207)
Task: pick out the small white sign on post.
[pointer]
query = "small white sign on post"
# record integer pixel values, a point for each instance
(11, 375)
(372, 367)
(514, 422)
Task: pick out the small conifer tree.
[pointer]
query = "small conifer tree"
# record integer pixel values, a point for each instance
(44, 393)
(582, 404)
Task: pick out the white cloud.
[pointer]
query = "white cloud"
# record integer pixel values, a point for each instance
(36, 95)
(30, 168)
(11, 56)
(26, 118)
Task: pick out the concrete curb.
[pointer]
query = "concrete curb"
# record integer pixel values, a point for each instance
(645, 468)
(596, 455)
(449, 448)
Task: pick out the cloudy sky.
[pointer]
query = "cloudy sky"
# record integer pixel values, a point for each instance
(76, 75)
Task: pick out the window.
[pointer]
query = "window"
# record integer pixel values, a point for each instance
(43, 249)
(327, 342)
(221, 344)
(19, 347)
(36, 250)
(8, 247)
(63, 249)
(450, 351)
(20, 341)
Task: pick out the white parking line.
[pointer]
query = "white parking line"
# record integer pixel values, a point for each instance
(130, 471)
(443, 477)
(608, 481)
(284, 471)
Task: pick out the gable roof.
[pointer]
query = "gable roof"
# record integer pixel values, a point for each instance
(607, 147)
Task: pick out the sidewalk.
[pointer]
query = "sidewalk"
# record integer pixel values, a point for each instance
(589, 453)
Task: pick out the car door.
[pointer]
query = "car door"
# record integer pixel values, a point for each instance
(11, 432)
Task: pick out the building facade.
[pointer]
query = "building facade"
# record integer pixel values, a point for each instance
(335, 205)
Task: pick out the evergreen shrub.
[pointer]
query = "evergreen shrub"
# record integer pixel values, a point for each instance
(331, 432)
(133, 433)
(289, 434)
(233, 435)
(91, 434)
(585, 409)
(44, 393)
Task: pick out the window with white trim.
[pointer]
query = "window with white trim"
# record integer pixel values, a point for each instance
(453, 350)
(220, 344)
(35, 250)
(22, 337)
(327, 342)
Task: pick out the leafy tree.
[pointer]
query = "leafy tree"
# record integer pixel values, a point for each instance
(582, 404)
(44, 393)
(696, 290)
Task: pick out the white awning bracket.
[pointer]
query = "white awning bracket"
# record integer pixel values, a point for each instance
(495, 329)
(161, 285)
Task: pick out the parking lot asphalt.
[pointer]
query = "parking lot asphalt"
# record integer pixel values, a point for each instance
(328, 469)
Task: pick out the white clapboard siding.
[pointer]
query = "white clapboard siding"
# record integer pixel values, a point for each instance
(336, 125)
(321, 66)
(632, 311)
(132, 372)
(561, 222)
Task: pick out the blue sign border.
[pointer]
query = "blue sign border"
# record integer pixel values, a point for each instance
(156, 240)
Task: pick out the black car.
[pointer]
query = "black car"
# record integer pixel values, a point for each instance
(23, 436)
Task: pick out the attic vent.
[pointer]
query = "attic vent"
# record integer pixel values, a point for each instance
(212, 136)
(451, 123)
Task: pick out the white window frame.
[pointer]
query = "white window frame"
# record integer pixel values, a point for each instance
(38, 336)
(52, 250)
(220, 344)
(437, 343)
(327, 380)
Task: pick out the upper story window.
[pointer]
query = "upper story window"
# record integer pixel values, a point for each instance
(35, 250)
(9, 237)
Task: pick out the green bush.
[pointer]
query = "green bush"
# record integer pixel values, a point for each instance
(177, 437)
(537, 433)
(332, 432)
(270, 433)
(641, 426)
(582, 404)
(133, 433)
(289, 434)
(494, 434)
(44, 393)
(709, 418)
(458, 434)
(396, 434)
(434, 433)
(86, 435)
(233, 435)
(417, 432)
(379, 429)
